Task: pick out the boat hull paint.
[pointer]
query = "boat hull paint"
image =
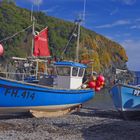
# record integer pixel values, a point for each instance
(126, 99)
(24, 96)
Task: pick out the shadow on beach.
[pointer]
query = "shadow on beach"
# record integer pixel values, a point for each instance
(94, 112)
(118, 130)
(110, 114)
(6, 116)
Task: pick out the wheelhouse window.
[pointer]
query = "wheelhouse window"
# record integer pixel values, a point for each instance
(81, 71)
(74, 71)
(63, 71)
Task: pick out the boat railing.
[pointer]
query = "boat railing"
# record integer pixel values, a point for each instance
(21, 76)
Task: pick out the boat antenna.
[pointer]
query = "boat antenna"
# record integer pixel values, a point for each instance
(84, 11)
(78, 22)
(32, 8)
(38, 6)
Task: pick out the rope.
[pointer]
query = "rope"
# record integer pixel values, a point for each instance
(69, 41)
(9, 37)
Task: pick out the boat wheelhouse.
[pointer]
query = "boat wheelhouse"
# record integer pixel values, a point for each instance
(69, 74)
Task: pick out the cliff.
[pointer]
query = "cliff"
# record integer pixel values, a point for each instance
(104, 52)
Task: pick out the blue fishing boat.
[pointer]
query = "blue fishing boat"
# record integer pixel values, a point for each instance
(126, 98)
(20, 96)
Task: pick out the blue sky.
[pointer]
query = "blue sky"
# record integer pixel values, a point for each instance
(118, 20)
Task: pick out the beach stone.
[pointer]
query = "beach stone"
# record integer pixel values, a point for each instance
(86, 124)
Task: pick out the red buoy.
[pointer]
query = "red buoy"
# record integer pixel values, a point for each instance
(1, 50)
(97, 88)
(98, 83)
(92, 84)
(101, 78)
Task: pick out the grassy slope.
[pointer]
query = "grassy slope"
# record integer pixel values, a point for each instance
(93, 46)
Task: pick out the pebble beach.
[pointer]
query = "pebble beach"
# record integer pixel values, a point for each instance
(87, 124)
(97, 120)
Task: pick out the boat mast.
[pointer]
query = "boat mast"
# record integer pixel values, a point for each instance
(78, 35)
(33, 29)
(78, 38)
(33, 32)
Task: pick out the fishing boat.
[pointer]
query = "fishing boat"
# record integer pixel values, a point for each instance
(22, 97)
(126, 97)
(44, 95)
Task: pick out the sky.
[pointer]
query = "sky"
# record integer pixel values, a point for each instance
(118, 20)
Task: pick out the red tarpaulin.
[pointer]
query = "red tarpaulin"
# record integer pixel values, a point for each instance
(41, 44)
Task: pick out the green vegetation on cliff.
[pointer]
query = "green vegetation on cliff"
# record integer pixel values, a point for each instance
(102, 51)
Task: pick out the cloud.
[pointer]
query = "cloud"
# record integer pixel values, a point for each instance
(116, 23)
(50, 10)
(135, 27)
(127, 2)
(135, 24)
(127, 34)
(36, 2)
(138, 20)
(132, 48)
